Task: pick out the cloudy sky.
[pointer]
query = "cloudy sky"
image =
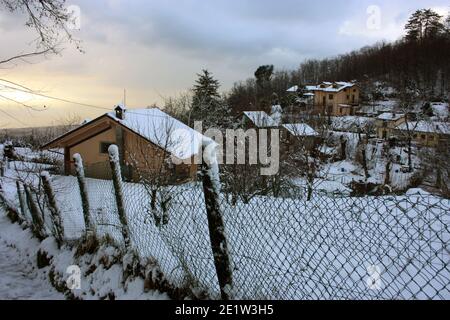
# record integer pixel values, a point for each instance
(155, 48)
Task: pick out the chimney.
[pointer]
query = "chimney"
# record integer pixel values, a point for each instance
(120, 111)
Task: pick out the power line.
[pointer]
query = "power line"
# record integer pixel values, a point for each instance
(12, 117)
(54, 98)
(26, 90)
(22, 104)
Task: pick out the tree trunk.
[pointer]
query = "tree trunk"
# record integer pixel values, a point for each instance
(387, 178)
(343, 148)
(410, 168)
(364, 162)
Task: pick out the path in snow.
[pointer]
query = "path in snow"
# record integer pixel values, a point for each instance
(19, 278)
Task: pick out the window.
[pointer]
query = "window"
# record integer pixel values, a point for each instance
(431, 138)
(348, 97)
(104, 146)
(331, 97)
(423, 137)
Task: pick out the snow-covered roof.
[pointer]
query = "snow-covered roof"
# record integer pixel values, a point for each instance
(300, 129)
(292, 89)
(426, 127)
(440, 110)
(390, 116)
(163, 130)
(331, 86)
(260, 119)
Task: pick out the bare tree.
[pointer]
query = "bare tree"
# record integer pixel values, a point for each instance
(49, 19)
(152, 164)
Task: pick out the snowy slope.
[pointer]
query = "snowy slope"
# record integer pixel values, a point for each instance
(19, 276)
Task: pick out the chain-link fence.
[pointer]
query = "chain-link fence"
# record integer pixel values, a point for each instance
(330, 247)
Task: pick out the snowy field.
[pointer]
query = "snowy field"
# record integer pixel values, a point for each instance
(326, 248)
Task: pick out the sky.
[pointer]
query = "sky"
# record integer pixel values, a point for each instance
(154, 49)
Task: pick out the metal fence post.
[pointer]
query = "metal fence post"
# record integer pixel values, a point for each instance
(211, 190)
(38, 222)
(118, 190)
(79, 169)
(58, 228)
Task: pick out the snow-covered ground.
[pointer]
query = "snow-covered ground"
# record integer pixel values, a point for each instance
(102, 273)
(440, 111)
(281, 248)
(20, 277)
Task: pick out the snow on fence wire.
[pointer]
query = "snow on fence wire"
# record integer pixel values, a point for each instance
(331, 247)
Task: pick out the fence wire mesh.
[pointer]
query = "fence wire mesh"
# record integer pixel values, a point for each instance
(331, 247)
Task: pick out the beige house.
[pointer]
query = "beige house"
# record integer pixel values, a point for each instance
(335, 98)
(150, 142)
(424, 133)
(387, 123)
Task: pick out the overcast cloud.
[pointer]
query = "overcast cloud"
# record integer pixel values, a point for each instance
(154, 48)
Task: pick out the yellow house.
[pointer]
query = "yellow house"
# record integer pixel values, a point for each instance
(387, 123)
(336, 98)
(424, 133)
(148, 140)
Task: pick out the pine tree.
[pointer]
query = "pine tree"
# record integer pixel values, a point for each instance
(424, 24)
(207, 104)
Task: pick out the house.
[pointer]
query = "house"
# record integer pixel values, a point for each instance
(335, 98)
(258, 120)
(148, 140)
(424, 133)
(295, 134)
(387, 123)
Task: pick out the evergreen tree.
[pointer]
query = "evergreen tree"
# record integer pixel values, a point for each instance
(424, 24)
(263, 75)
(207, 104)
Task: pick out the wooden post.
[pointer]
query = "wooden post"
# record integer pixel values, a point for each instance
(22, 201)
(118, 190)
(79, 170)
(58, 228)
(38, 222)
(10, 209)
(211, 190)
